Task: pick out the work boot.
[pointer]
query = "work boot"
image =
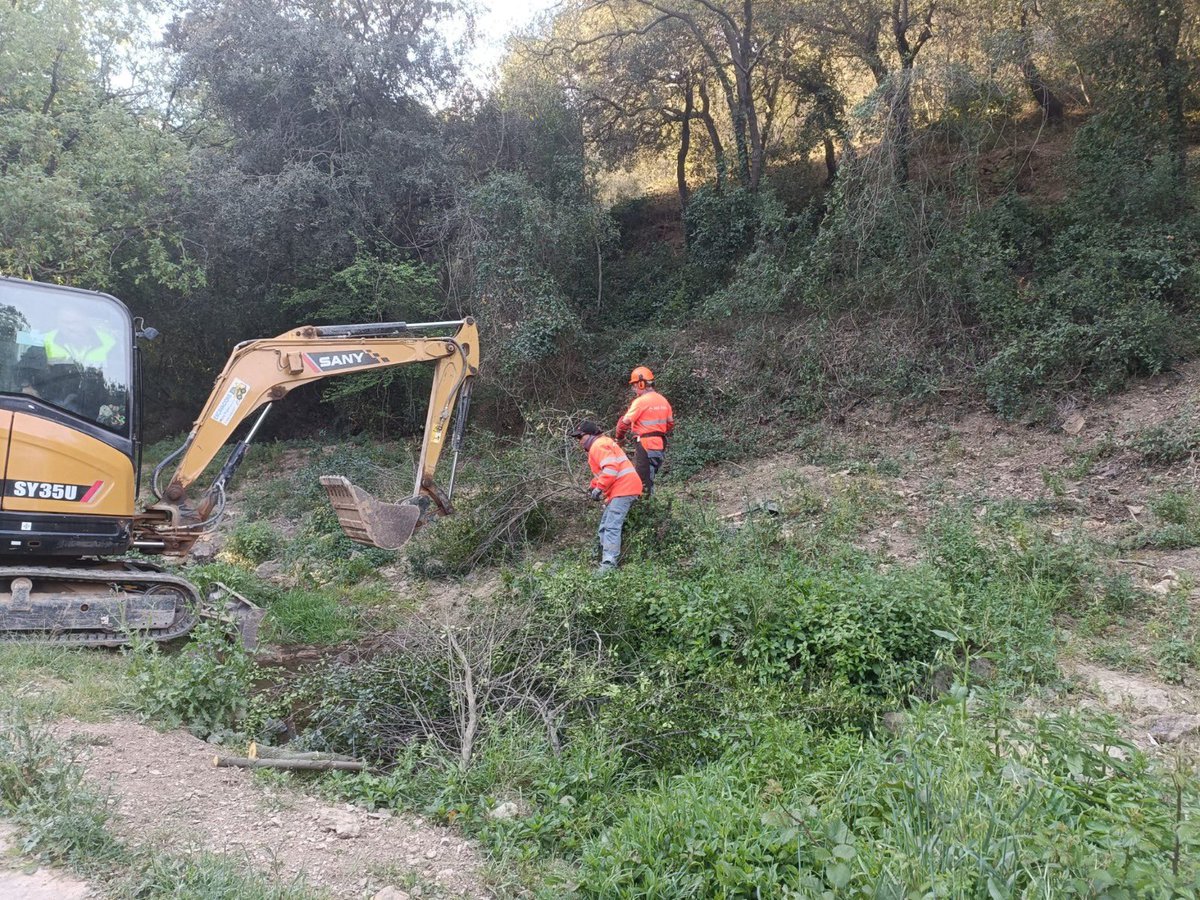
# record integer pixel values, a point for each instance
(605, 568)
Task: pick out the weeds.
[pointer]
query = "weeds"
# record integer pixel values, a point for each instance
(1171, 441)
(1178, 522)
(206, 686)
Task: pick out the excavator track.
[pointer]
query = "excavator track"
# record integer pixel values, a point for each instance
(58, 605)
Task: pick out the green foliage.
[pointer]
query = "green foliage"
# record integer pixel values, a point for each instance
(695, 445)
(1067, 296)
(89, 190)
(254, 542)
(954, 807)
(1178, 526)
(1173, 440)
(205, 686)
(42, 789)
(375, 287)
(721, 226)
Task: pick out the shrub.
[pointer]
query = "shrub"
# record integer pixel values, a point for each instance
(206, 686)
(254, 542)
(1170, 441)
(721, 226)
(954, 807)
(695, 445)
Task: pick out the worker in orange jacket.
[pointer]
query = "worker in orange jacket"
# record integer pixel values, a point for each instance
(615, 481)
(650, 419)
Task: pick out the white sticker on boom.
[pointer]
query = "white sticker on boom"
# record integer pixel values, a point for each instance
(231, 401)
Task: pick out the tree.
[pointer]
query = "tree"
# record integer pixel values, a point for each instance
(886, 36)
(746, 47)
(90, 181)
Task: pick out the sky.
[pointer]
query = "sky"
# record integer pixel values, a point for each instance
(498, 19)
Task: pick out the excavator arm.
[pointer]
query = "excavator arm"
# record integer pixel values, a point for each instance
(262, 372)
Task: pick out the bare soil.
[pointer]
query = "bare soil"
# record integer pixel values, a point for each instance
(165, 791)
(20, 880)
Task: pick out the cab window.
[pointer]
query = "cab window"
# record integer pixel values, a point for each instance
(67, 348)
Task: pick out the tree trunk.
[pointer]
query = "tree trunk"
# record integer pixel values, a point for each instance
(902, 111)
(714, 136)
(1167, 30)
(830, 159)
(685, 143)
(1052, 106)
(264, 751)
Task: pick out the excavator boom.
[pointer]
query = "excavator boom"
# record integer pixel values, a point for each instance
(262, 372)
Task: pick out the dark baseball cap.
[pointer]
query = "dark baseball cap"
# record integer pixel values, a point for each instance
(587, 426)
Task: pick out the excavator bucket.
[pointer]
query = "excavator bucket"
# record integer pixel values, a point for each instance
(370, 521)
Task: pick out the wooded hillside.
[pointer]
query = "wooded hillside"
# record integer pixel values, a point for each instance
(782, 206)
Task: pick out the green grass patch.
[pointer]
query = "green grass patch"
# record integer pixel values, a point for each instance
(86, 684)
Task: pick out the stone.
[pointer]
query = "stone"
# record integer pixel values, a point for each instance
(894, 722)
(506, 810)
(1174, 727)
(390, 893)
(342, 824)
(203, 551)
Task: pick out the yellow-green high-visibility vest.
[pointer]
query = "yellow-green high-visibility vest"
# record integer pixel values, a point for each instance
(95, 356)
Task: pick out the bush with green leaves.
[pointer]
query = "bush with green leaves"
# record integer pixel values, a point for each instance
(255, 542)
(205, 686)
(956, 806)
(1172, 440)
(721, 225)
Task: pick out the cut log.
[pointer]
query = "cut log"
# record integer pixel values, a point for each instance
(265, 751)
(312, 765)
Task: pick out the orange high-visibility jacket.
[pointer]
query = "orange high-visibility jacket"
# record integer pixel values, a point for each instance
(612, 471)
(650, 418)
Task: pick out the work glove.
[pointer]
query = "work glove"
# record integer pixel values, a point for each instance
(595, 494)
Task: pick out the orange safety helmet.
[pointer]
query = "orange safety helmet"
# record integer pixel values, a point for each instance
(641, 373)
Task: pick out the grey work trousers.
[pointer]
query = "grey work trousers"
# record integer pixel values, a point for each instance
(647, 463)
(612, 521)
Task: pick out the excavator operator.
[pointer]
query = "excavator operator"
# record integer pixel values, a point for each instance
(650, 419)
(72, 367)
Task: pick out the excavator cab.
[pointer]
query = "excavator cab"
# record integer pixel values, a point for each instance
(67, 422)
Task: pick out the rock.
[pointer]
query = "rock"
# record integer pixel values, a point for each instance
(390, 893)
(506, 810)
(1074, 424)
(431, 853)
(1174, 727)
(342, 824)
(1167, 584)
(894, 721)
(203, 551)
(269, 569)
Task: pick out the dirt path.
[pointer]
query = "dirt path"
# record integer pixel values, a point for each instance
(167, 792)
(18, 881)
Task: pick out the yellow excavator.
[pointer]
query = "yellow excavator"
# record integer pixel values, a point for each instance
(71, 421)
